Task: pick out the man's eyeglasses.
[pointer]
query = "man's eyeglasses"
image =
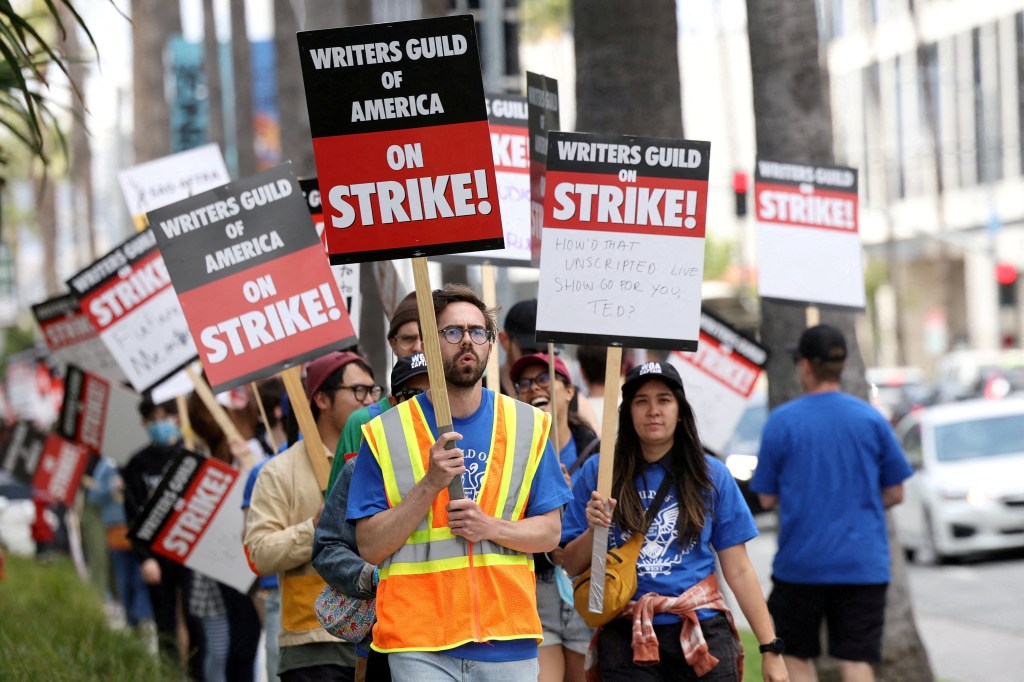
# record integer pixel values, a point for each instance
(407, 341)
(360, 391)
(453, 335)
(407, 394)
(542, 380)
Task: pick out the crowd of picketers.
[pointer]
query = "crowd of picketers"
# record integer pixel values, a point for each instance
(432, 581)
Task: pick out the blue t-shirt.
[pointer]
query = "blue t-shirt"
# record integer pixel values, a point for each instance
(266, 582)
(665, 565)
(549, 491)
(568, 455)
(827, 456)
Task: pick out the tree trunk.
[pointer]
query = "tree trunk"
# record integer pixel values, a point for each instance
(211, 69)
(241, 60)
(627, 68)
(46, 215)
(296, 144)
(80, 164)
(794, 123)
(154, 21)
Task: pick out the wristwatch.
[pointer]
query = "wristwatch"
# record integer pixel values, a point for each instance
(776, 646)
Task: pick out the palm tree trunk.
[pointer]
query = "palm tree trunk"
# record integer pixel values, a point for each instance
(793, 122)
(241, 60)
(211, 69)
(154, 21)
(80, 163)
(46, 212)
(296, 142)
(627, 68)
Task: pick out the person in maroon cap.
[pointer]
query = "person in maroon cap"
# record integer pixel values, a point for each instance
(286, 502)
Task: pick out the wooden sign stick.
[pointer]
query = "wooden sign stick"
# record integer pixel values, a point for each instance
(188, 436)
(609, 428)
(220, 415)
(263, 413)
(491, 301)
(435, 366)
(315, 449)
(813, 316)
(551, 400)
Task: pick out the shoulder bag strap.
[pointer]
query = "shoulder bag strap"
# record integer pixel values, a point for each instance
(659, 497)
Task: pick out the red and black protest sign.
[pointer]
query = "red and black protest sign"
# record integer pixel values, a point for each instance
(401, 141)
(60, 469)
(543, 112)
(100, 415)
(252, 278)
(622, 257)
(507, 115)
(809, 248)
(720, 377)
(194, 518)
(72, 339)
(25, 447)
(128, 297)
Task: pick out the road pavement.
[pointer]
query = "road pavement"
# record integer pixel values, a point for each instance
(970, 614)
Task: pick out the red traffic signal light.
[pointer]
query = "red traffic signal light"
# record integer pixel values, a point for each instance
(1006, 273)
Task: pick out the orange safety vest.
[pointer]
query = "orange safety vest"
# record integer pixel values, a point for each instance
(440, 591)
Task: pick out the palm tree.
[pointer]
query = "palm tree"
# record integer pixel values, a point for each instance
(211, 69)
(793, 122)
(241, 64)
(627, 68)
(155, 21)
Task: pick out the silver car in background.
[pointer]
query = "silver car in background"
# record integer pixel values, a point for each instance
(968, 493)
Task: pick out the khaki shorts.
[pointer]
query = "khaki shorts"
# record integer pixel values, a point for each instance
(561, 623)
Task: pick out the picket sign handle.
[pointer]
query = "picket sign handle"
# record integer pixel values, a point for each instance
(315, 449)
(220, 415)
(263, 413)
(491, 301)
(551, 400)
(435, 366)
(813, 316)
(609, 428)
(188, 436)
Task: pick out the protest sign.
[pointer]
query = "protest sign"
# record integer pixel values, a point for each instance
(507, 117)
(32, 391)
(543, 113)
(101, 415)
(21, 456)
(171, 178)
(719, 378)
(808, 240)
(72, 339)
(251, 277)
(622, 254)
(128, 297)
(194, 517)
(401, 140)
(345, 276)
(60, 469)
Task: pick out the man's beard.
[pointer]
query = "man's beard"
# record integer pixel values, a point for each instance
(464, 376)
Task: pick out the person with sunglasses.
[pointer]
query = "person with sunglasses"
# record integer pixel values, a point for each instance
(456, 596)
(566, 636)
(286, 501)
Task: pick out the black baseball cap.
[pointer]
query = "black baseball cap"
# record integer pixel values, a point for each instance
(521, 325)
(652, 370)
(822, 343)
(406, 368)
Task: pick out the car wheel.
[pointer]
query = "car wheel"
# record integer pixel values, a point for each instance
(927, 554)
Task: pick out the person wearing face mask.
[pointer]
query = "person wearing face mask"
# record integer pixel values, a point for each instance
(566, 636)
(166, 580)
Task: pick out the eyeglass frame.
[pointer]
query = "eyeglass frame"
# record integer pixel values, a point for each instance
(519, 388)
(366, 390)
(407, 393)
(412, 339)
(489, 336)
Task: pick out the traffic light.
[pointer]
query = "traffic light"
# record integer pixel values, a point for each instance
(739, 186)
(1006, 278)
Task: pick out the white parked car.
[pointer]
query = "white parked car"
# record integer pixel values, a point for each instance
(968, 493)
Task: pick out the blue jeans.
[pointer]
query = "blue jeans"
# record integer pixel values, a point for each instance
(430, 666)
(271, 631)
(132, 591)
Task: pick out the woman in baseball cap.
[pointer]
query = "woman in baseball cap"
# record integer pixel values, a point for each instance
(698, 513)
